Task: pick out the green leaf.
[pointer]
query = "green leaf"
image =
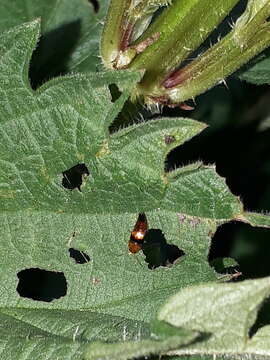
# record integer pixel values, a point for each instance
(66, 122)
(259, 344)
(66, 334)
(190, 357)
(259, 71)
(226, 311)
(21, 341)
(222, 265)
(256, 219)
(70, 32)
(39, 334)
(165, 340)
(64, 136)
(200, 192)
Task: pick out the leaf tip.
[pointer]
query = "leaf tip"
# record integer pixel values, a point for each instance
(34, 25)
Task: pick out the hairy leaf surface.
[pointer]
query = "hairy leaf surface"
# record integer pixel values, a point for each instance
(48, 131)
(226, 312)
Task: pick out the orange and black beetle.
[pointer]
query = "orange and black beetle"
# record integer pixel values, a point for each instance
(137, 235)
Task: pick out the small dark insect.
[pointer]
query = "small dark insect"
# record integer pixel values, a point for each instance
(169, 139)
(236, 275)
(231, 277)
(137, 235)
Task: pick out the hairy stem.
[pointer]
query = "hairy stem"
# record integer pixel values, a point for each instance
(183, 27)
(247, 39)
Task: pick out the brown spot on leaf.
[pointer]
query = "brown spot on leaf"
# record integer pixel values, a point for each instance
(95, 281)
(169, 139)
(181, 218)
(194, 221)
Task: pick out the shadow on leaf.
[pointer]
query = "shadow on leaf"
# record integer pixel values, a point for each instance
(53, 52)
(158, 252)
(263, 318)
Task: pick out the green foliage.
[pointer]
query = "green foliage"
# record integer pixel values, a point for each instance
(70, 32)
(65, 122)
(222, 265)
(225, 311)
(259, 72)
(166, 49)
(114, 297)
(164, 338)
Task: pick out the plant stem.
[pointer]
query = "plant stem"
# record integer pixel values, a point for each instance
(115, 29)
(126, 20)
(174, 35)
(183, 26)
(244, 42)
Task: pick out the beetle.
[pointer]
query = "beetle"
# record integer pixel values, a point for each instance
(137, 235)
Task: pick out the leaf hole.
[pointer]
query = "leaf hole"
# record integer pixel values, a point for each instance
(41, 285)
(80, 257)
(73, 177)
(158, 252)
(95, 4)
(245, 244)
(115, 92)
